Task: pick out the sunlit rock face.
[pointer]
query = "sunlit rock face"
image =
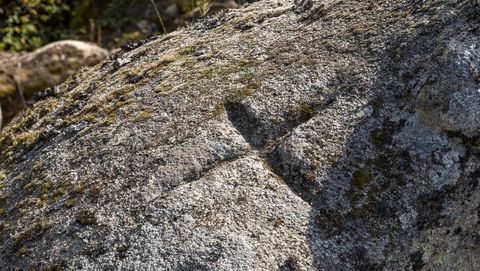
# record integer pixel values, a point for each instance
(285, 135)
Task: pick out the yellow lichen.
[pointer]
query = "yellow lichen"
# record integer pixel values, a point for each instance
(46, 187)
(27, 138)
(153, 69)
(3, 226)
(163, 88)
(143, 115)
(3, 175)
(22, 251)
(32, 184)
(219, 109)
(69, 203)
(57, 267)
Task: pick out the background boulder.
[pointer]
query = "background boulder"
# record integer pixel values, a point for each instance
(24, 74)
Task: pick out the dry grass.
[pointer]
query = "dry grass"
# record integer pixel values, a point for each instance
(204, 6)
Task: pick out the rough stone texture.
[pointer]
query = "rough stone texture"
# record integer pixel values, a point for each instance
(334, 135)
(33, 72)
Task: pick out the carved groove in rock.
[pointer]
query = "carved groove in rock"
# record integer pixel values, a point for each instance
(245, 124)
(250, 129)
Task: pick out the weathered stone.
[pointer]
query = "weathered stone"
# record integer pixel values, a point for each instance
(272, 137)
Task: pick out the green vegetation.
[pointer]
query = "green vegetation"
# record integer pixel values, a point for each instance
(29, 24)
(204, 6)
(26, 25)
(160, 20)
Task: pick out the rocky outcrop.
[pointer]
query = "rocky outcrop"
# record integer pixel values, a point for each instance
(286, 135)
(22, 75)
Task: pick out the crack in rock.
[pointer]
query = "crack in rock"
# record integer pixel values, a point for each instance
(255, 135)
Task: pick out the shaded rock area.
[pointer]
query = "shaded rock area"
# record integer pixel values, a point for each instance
(286, 135)
(22, 75)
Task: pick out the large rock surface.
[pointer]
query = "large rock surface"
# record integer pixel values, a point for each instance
(334, 135)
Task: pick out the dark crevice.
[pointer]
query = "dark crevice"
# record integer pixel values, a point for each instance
(417, 261)
(261, 136)
(192, 176)
(266, 141)
(300, 184)
(245, 124)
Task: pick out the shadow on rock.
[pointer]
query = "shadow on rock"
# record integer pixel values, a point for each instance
(404, 193)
